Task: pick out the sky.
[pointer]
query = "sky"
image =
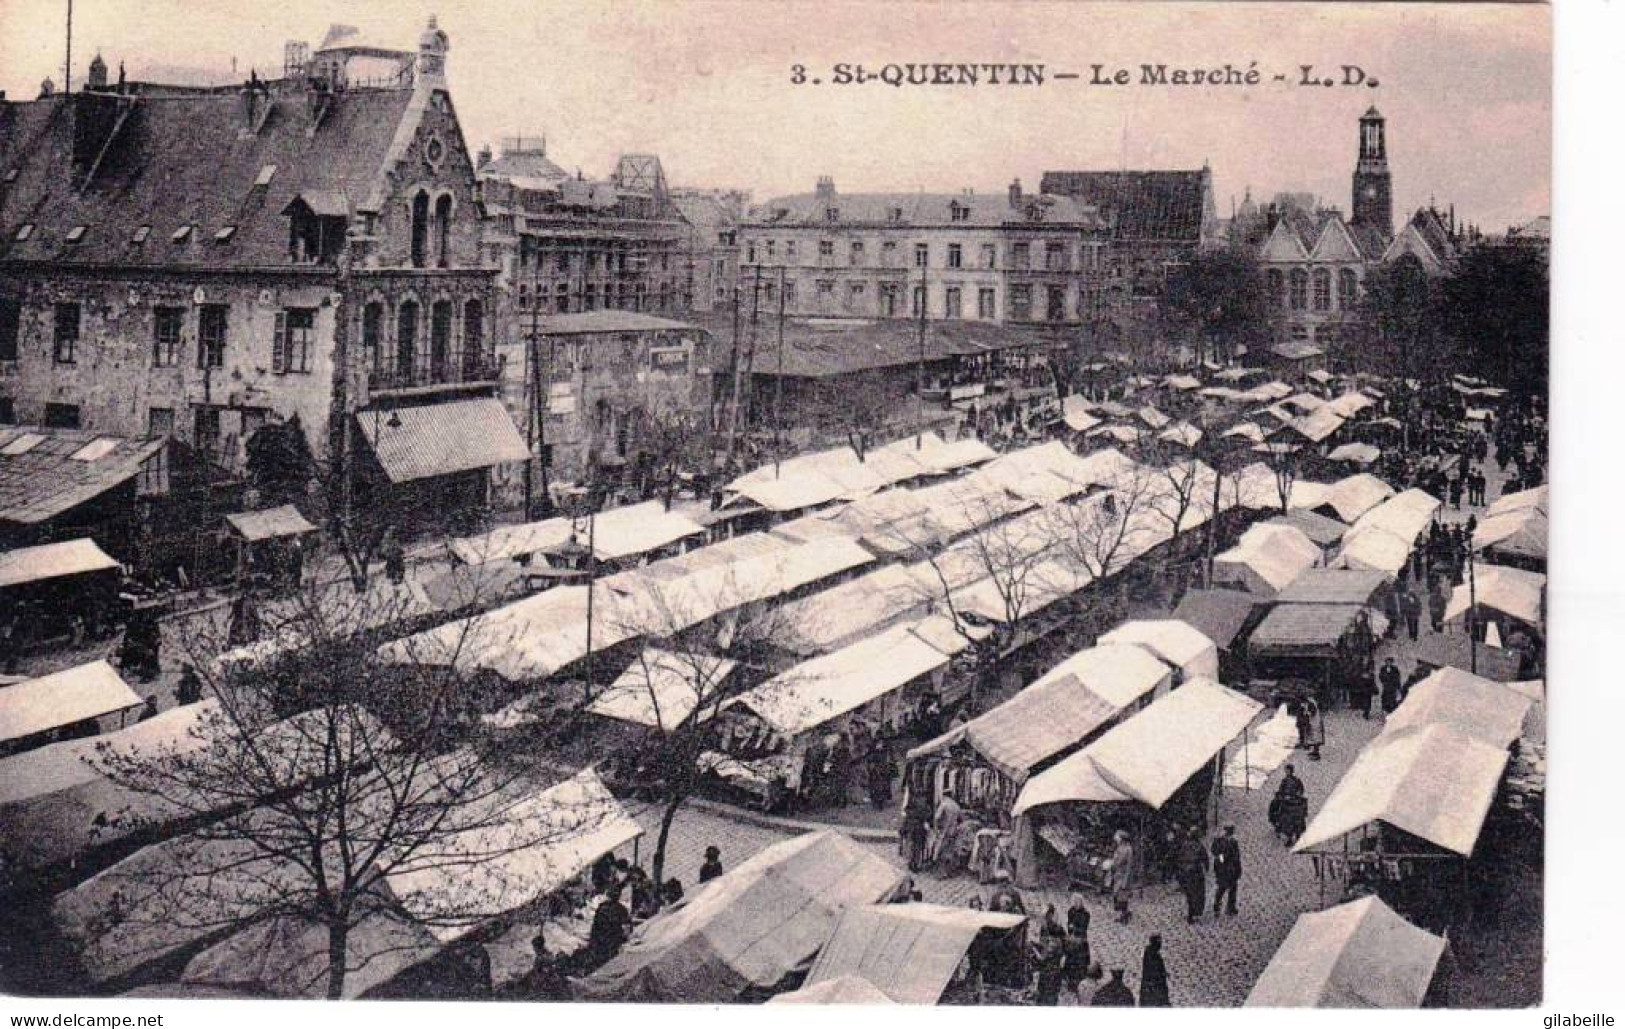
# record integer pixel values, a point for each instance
(1466, 88)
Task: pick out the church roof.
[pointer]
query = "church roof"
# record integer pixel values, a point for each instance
(1147, 205)
(172, 162)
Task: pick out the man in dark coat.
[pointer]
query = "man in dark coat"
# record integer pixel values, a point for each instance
(1226, 870)
(1438, 601)
(1192, 868)
(1361, 690)
(611, 928)
(1289, 810)
(1154, 976)
(1411, 607)
(1390, 680)
(712, 866)
(1114, 994)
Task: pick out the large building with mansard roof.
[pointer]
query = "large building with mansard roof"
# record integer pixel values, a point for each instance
(201, 263)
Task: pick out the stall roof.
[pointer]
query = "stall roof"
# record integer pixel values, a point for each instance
(1118, 674)
(1303, 630)
(1178, 643)
(1510, 591)
(1245, 430)
(1355, 453)
(1256, 488)
(1183, 433)
(1521, 532)
(1356, 955)
(1267, 558)
(816, 691)
(271, 523)
(1151, 755)
(961, 453)
(1219, 615)
(1432, 782)
(1306, 494)
(1483, 709)
(1183, 382)
(1351, 403)
(846, 989)
(62, 699)
(909, 951)
(52, 561)
(1352, 497)
(73, 763)
(46, 471)
(1537, 498)
(1333, 586)
(1076, 414)
(840, 615)
(751, 927)
(535, 846)
(1031, 727)
(1373, 549)
(660, 689)
(616, 533)
(287, 956)
(1404, 515)
(1322, 530)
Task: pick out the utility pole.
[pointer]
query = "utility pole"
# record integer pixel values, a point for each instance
(67, 64)
(919, 365)
(733, 404)
(778, 387)
(1472, 609)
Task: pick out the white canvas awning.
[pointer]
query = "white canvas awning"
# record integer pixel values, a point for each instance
(660, 689)
(52, 561)
(1076, 414)
(1486, 710)
(1352, 497)
(1406, 515)
(522, 853)
(1267, 559)
(1510, 591)
(1536, 498)
(273, 523)
(846, 989)
(749, 928)
(1374, 549)
(1520, 532)
(1151, 755)
(62, 699)
(1356, 955)
(618, 532)
(1355, 453)
(1432, 782)
(816, 691)
(909, 951)
(1119, 674)
(1175, 642)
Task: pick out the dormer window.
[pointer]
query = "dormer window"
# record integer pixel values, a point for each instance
(317, 222)
(141, 234)
(895, 214)
(77, 233)
(958, 212)
(181, 235)
(832, 214)
(225, 234)
(24, 231)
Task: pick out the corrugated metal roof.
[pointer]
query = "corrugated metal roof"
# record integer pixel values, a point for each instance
(41, 480)
(439, 439)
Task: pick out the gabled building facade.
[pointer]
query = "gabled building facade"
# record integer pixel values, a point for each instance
(203, 263)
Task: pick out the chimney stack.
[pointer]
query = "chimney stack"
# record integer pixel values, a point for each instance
(1015, 193)
(825, 190)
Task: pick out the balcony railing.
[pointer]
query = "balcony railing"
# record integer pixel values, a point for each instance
(471, 372)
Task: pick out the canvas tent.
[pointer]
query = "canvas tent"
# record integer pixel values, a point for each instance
(1117, 673)
(26, 565)
(1356, 955)
(1325, 532)
(288, 956)
(61, 699)
(1361, 454)
(1176, 643)
(1432, 782)
(1075, 413)
(1536, 498)
(1485, 710)
(1373, 549)
(1303, 630)
(749, 929)
(1266, 559)
(1520, 533)
(1220, 615)
(1511, 591)
(618, 532)
(846, 989)
(1149, 756)
(1350, 498)
(661, 689)
(911, 952)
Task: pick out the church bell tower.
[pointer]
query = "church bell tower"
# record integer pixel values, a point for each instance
(1373, 188)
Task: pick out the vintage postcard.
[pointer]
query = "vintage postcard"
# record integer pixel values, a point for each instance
(869, 502)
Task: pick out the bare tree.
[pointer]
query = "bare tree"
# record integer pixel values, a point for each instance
(321, 817)
(1285, 461)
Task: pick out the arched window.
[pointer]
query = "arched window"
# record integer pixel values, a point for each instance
(473, 340)
(1348, 289)
(442, 223)
(1277, 288)
(406, 341)
(420, 229)
(1323, 289)
(440, 340)
(372, 335)
(1299, 296)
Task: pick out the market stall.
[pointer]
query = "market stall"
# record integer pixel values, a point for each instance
(925, 953)
(1326, 533)
(1322, 648)
(1266, 559)
(44, 589)
(1176, 643)
(1404, 819)
(1356, 955)
(846, 989)
(752, 931)
(76, 702)
(1516, 537)
(1223, 616)
(1152, 775)
(270, 543)
(1511, 599)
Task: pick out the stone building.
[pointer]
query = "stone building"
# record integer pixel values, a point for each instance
(1003, 258)
(203, 263)
(711, 244)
